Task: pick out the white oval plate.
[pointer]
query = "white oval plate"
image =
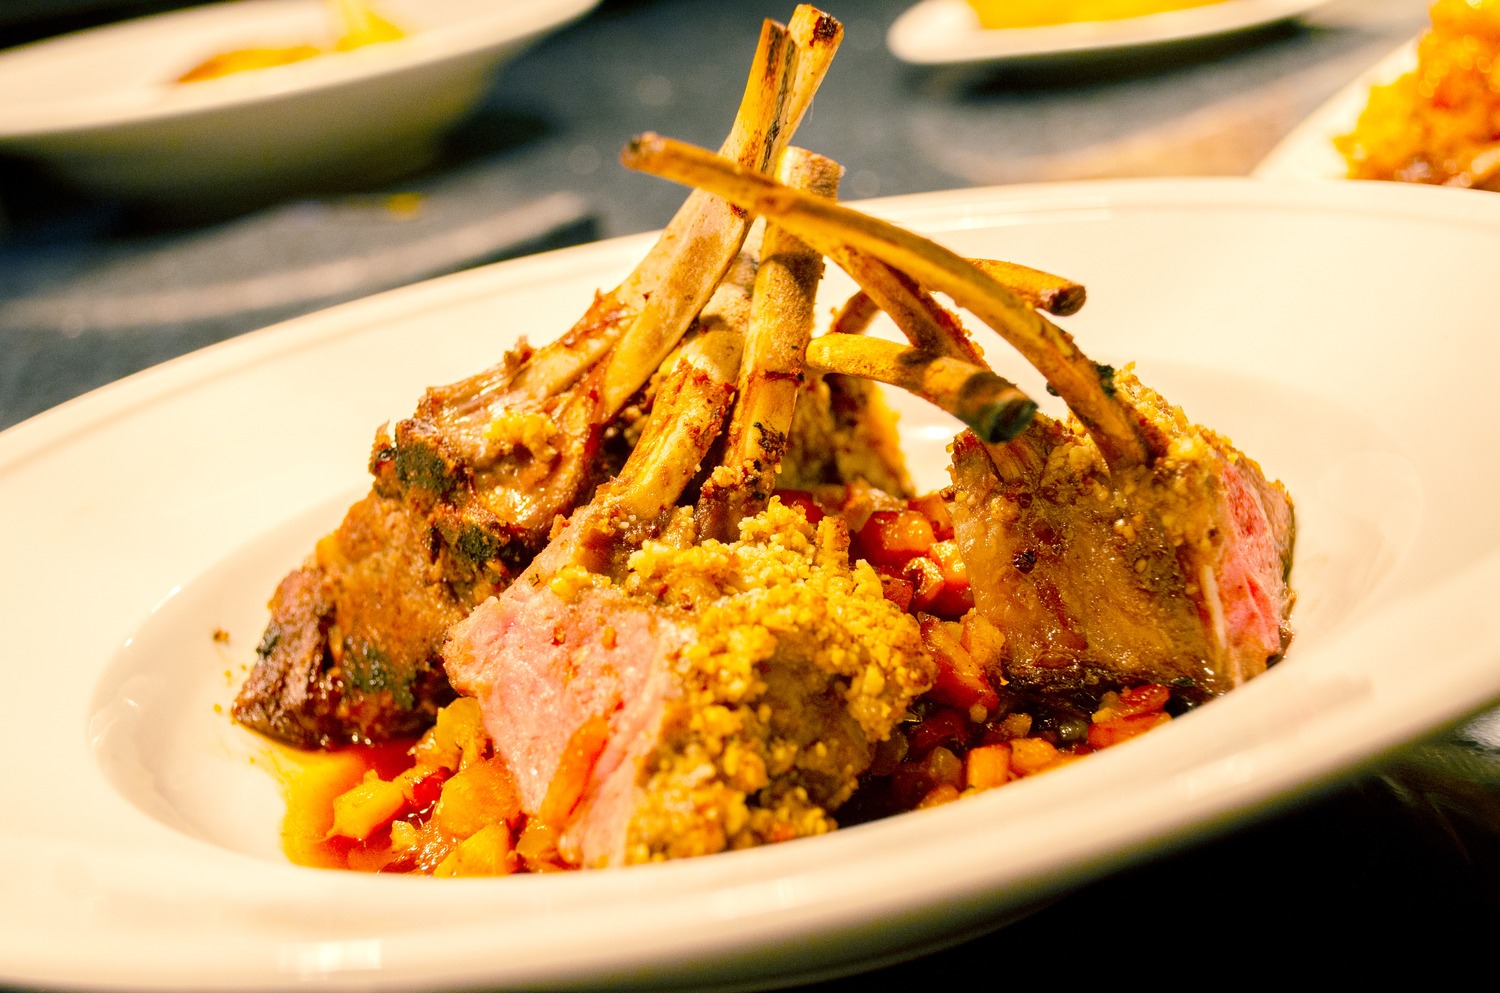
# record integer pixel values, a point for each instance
(937, 32)
(140, 845)
(1308, 152)
(101, 106)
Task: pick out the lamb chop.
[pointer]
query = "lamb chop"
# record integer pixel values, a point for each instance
(1123, 546)
(466, 490)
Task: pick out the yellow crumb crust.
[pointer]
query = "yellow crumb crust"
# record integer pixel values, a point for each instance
(1177, 486)
(799, 668)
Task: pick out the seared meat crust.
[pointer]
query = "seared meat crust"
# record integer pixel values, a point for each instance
(350, 653)
(1173, 572)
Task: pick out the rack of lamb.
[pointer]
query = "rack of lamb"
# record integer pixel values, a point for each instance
(667, 575)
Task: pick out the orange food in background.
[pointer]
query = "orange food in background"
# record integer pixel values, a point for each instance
(1439, 124)
(359, 26)
(247, 58)
(1039, 13)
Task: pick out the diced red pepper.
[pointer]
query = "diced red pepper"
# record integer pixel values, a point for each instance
(944, 726)
(425, 790)
(1112, 732)
(1147, 699)
(926, 579)
(893, 537)
(987, 767)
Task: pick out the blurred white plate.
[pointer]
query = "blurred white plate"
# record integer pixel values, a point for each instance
(142, 849)
(102, 108)
(936, 32)
(1307, 152)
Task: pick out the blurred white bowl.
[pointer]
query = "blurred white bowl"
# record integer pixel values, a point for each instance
(101, 107)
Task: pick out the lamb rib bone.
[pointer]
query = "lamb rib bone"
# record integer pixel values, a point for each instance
(683, 285)
(781, 322)
(993, 407)
(1047, 347)
(945, 366)
(1042, 290)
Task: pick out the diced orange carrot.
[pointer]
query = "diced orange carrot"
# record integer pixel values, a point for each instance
(484, 793)
(956, 597)
(987, 767)
(575, 766)
(487, 852)
(939, 795)
(1029, 756)
(946, 555)
(365, 809)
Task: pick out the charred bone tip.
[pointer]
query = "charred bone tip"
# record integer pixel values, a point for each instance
(1000, 422)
